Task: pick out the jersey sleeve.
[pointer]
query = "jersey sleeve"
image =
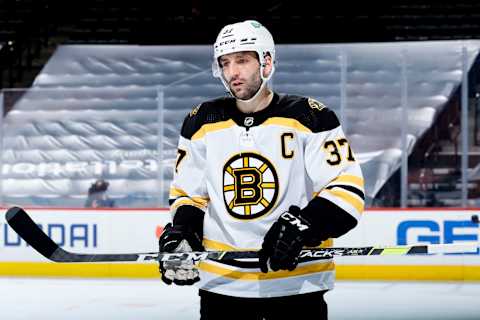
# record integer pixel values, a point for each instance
(189, 183)
(335, 173)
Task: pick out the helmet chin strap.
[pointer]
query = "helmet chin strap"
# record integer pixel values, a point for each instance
(255, 95)
(264, 83)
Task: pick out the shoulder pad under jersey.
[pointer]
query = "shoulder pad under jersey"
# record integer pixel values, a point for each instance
(207, 112)
(309, 112)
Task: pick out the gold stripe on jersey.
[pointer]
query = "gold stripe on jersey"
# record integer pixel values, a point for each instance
(351, 179)
(347, 197)
(213, 245)
(176, 192)
(256, 276)
(286, 122)
(219, 246)
(211, 127)
(195, 201)
(325, 244)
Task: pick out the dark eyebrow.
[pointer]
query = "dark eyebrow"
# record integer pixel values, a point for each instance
(242, 55)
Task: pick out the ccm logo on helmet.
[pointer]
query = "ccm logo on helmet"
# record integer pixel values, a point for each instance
(294, 221)
(226, 42)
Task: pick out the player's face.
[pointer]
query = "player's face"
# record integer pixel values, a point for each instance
(241, 70)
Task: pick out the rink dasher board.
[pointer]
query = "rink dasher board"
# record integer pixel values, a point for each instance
(400, 227)
(83, 230)
(112, 231)
(412, 226)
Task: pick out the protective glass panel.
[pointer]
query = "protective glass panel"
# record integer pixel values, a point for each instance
(92, 147)
(106, 121)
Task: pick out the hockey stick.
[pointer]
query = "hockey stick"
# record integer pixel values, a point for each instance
(28, 230)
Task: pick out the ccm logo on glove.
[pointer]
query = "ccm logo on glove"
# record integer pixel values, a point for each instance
(294, 221)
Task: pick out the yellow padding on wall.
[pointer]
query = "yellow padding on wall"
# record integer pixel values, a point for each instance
(408, 272)
(132, 270)
(79, 270)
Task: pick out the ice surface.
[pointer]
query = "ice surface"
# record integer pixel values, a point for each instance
(41, 298)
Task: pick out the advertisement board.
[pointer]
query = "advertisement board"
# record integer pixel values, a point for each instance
(125, 231)
(93, 231)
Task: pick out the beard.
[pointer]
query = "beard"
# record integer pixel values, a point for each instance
(250, 87)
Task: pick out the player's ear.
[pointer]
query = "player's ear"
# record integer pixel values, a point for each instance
(267, 68)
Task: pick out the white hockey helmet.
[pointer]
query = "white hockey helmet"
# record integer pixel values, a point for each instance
(249, 35)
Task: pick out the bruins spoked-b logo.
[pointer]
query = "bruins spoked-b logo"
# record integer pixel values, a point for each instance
(250, 186)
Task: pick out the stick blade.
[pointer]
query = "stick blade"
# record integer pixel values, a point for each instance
(28, 230)
(12, 212)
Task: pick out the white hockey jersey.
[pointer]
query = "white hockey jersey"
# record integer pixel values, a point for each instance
(244, 170)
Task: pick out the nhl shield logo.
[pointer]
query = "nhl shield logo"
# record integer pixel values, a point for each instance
(248, 122)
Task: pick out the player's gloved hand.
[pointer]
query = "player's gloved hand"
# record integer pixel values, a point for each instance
(284, 241)
(179, 239)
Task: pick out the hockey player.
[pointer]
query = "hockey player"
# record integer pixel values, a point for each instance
(259, 171)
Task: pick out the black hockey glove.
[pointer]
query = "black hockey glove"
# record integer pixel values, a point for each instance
(179, 239)
(284, 241)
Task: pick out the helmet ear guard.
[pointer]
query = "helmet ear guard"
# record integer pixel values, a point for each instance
(216, 69)
(264, 64)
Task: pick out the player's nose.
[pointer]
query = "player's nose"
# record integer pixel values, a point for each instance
(234, 70)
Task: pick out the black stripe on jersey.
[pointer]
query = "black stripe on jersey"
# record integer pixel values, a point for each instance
(240, 264)
(255, 263)
(357, 191)
(328, 220)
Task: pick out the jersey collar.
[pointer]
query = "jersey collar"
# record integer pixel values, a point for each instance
(253, 119)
